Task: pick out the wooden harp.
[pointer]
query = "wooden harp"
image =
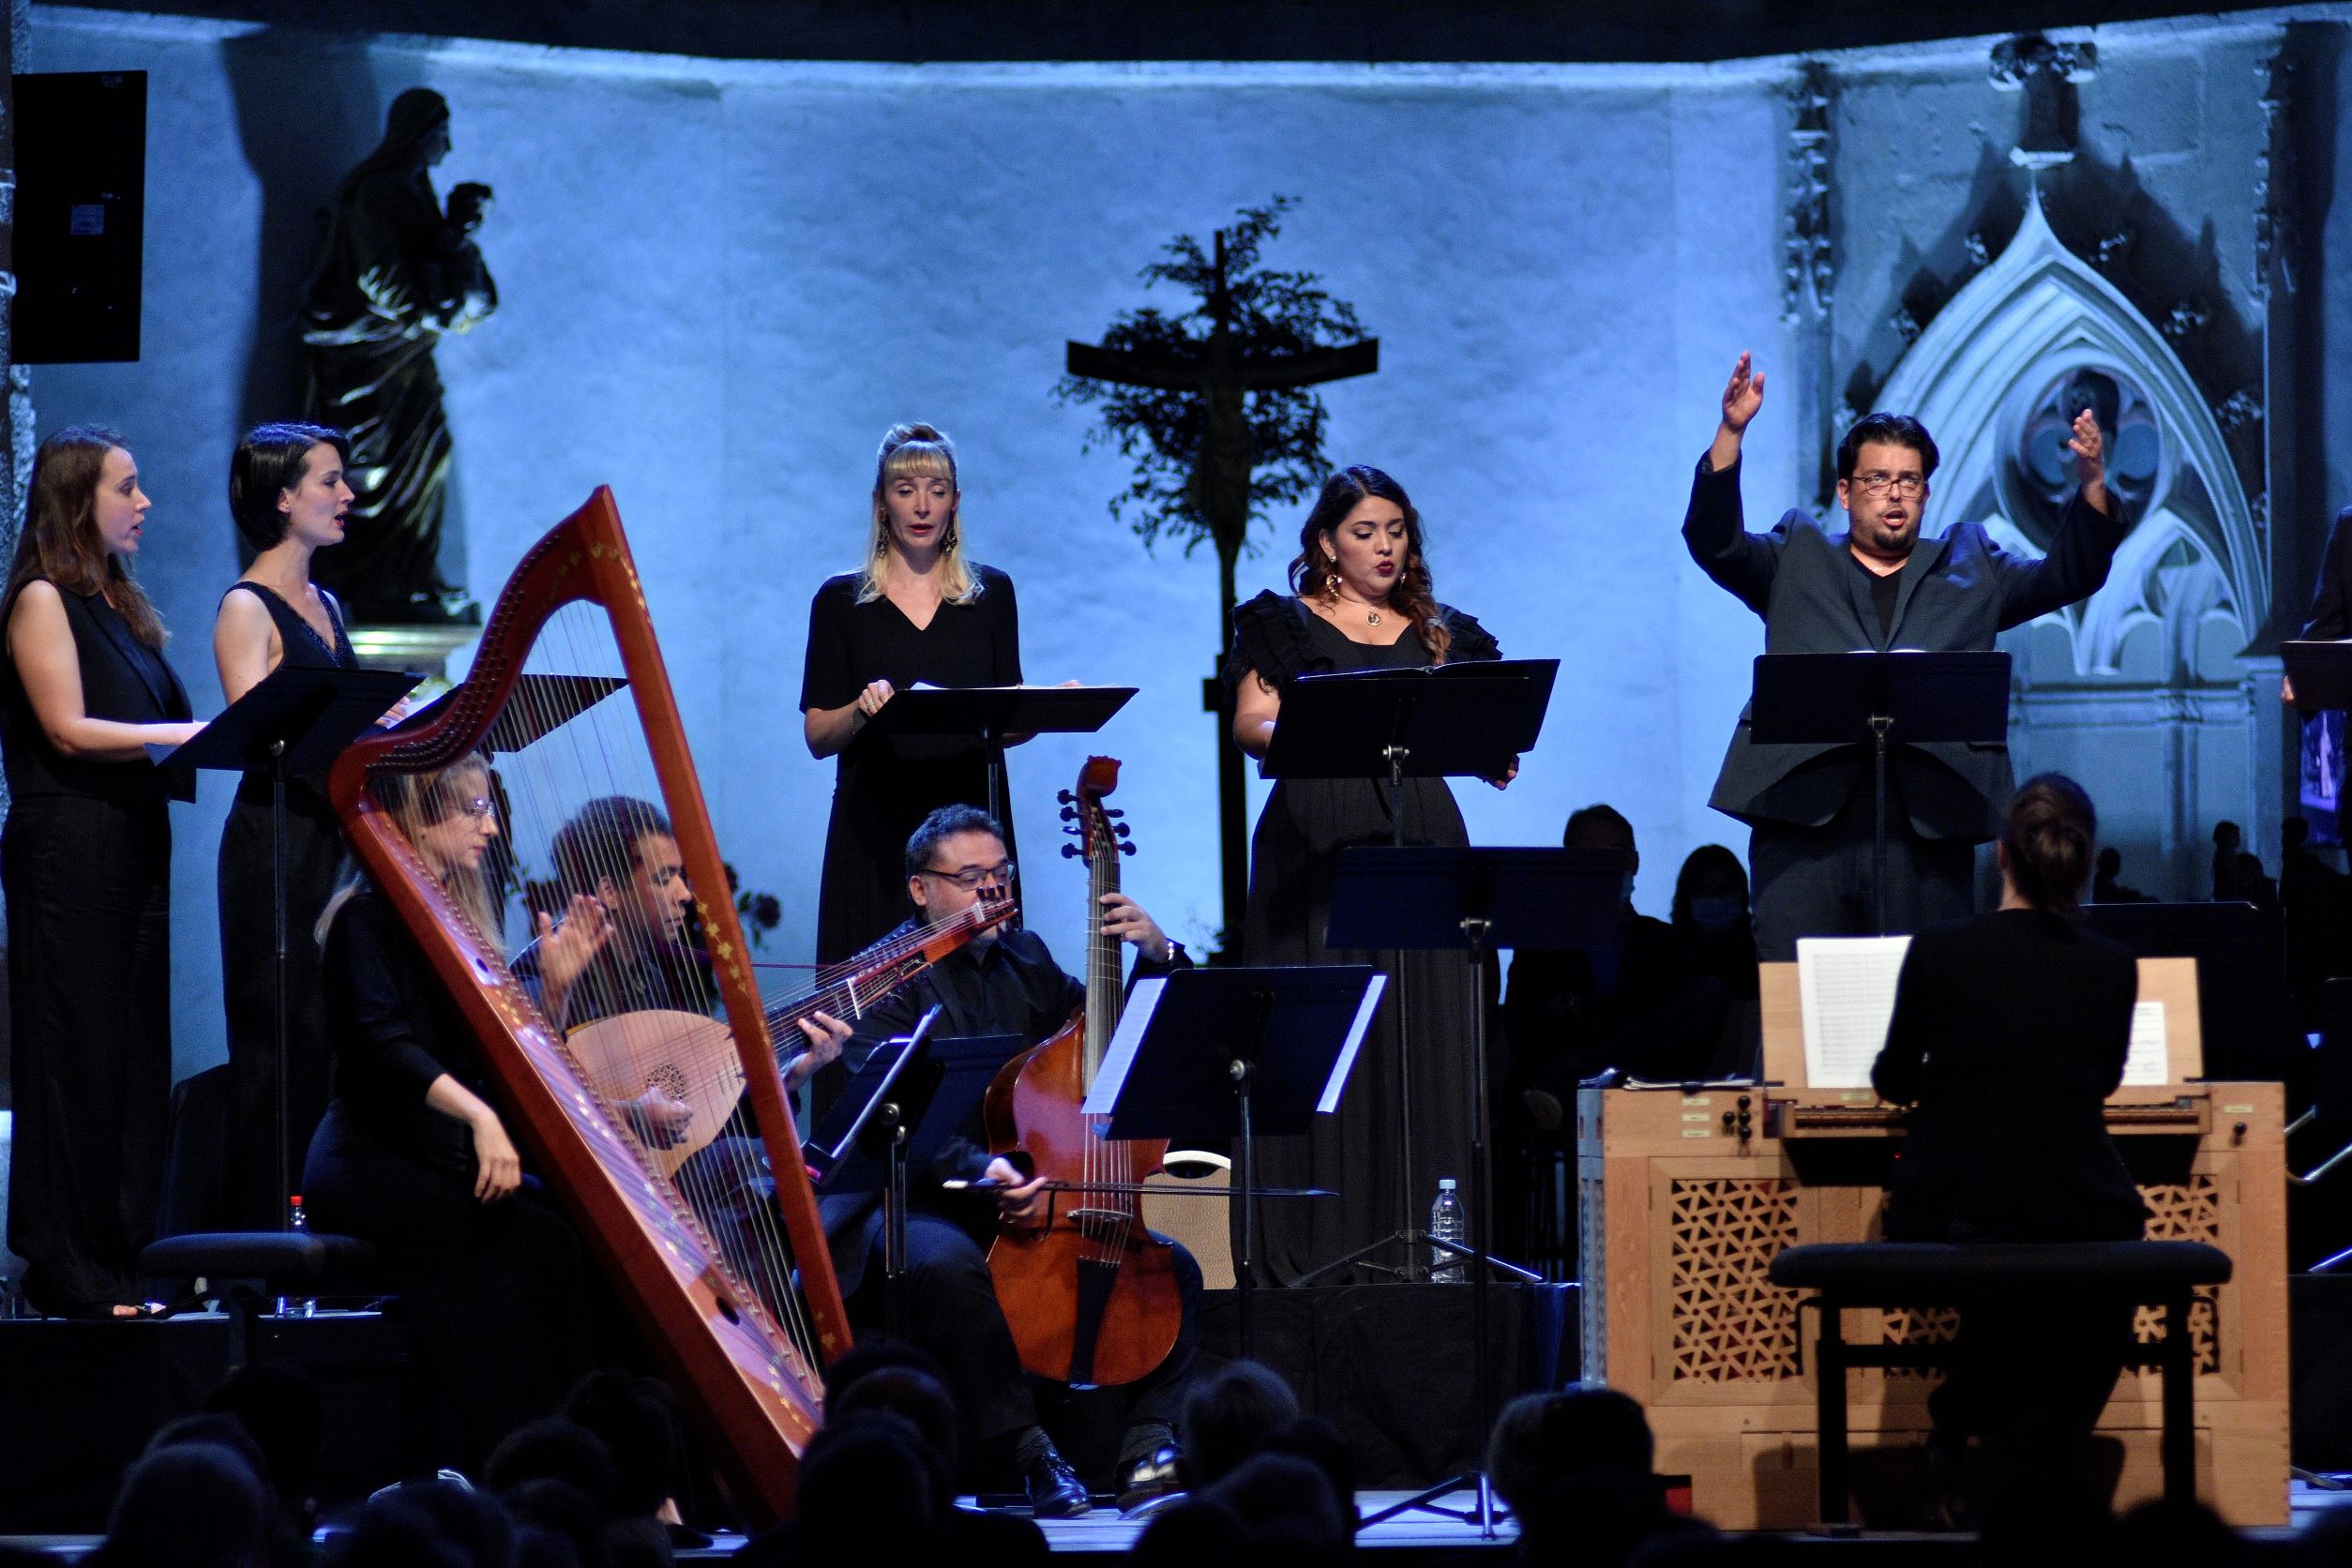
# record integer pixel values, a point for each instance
(568, 693)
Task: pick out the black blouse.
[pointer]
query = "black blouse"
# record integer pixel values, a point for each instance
(2010, 1031)
(852, 644)
(122, 679)
(395, 1029)
(1273, 634)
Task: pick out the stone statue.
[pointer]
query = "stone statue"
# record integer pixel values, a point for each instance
(398, 272)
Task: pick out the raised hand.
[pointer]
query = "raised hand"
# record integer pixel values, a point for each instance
(567, 949)
(2089, 447)
(1743, 396)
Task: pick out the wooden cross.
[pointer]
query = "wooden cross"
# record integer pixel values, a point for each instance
(1221, 374)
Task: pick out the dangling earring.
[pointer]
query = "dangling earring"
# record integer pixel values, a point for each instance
(881, 546)
(1331, 579)
(947, 540)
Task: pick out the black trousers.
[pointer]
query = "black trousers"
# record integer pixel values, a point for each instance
(2034, 1378)
(491, 1293)
(950, 1308)
(88, 888)
(1815, 882)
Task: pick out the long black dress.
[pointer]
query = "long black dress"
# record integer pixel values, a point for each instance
(86, 863)
(884, 787)
(1305, 824)
(492, 1291)
(248, 945)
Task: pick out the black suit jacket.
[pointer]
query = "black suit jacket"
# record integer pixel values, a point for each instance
(2010, 1031)
(2331, 601)
(1959, 592)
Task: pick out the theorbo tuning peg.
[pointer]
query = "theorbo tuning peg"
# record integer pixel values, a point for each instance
(1069, 813)
(1125, 848)
(1070, 851)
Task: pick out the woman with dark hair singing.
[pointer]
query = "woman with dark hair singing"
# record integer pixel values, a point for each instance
(1362, 599)
(290, 496)
(2010, 1031)
(86, 861)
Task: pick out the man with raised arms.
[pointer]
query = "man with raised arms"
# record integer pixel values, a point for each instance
(1882, 585)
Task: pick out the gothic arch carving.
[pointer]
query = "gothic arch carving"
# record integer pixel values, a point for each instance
(2040, 313)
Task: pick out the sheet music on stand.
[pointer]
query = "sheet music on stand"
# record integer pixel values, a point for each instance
(1845, 987)
(2150, 1062)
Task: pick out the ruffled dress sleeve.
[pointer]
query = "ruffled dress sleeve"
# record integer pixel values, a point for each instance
(1270, 636)
(1471, 643)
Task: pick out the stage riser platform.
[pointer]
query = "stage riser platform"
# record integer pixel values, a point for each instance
(1392, 1366)
(79, 1401)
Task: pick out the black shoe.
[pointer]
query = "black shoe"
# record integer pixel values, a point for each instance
(1055, 1491)
(1149, 1478)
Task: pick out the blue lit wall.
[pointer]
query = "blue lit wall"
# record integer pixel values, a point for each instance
(720, 284)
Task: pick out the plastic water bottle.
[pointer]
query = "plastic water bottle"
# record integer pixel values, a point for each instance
(1446, 1224)
(297, 1306)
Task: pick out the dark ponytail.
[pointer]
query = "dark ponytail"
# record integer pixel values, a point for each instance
(2049, 836)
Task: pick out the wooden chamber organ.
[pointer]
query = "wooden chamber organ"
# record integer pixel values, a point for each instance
(1685, 1197)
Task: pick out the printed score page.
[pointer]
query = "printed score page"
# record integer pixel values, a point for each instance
(2150, 1062)
(1845, 987)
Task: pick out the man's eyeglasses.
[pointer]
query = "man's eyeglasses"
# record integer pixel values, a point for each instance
(974, 876)
(1911, 486)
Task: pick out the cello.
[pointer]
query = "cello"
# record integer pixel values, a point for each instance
(1091, 1297)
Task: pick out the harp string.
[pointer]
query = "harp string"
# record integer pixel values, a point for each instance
(717, 1203)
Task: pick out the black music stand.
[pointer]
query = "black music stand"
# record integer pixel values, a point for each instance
(988, 714)
(1229, 1053)
(2322, 674)
(907, 1102)
(1476, 901)
(1468, 720)
(1874, 698)
(295, 723)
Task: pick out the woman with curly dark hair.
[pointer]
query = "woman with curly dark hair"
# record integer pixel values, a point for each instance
(1362, 599)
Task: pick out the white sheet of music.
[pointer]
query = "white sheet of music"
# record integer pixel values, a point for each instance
(1846, 986)
(2150, 1061)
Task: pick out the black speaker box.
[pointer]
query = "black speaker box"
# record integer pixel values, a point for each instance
(81, 216)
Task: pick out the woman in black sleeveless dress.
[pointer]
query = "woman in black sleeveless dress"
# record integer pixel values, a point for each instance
(916, 612)
(1364, 601)
(86, 864)
(289, 495)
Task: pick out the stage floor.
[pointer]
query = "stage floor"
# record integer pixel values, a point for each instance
(1417, 1536)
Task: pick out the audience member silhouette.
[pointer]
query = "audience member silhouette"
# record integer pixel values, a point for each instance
(1711, 917)
(2227, 842)
(633, 1418)
(1575, 1466)
(188, 1505)
(1228, 1415)
(2106, 884)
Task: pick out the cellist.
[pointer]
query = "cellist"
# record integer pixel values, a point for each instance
(1003, 982)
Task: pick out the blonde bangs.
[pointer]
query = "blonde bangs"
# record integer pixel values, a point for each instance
(916, 459)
